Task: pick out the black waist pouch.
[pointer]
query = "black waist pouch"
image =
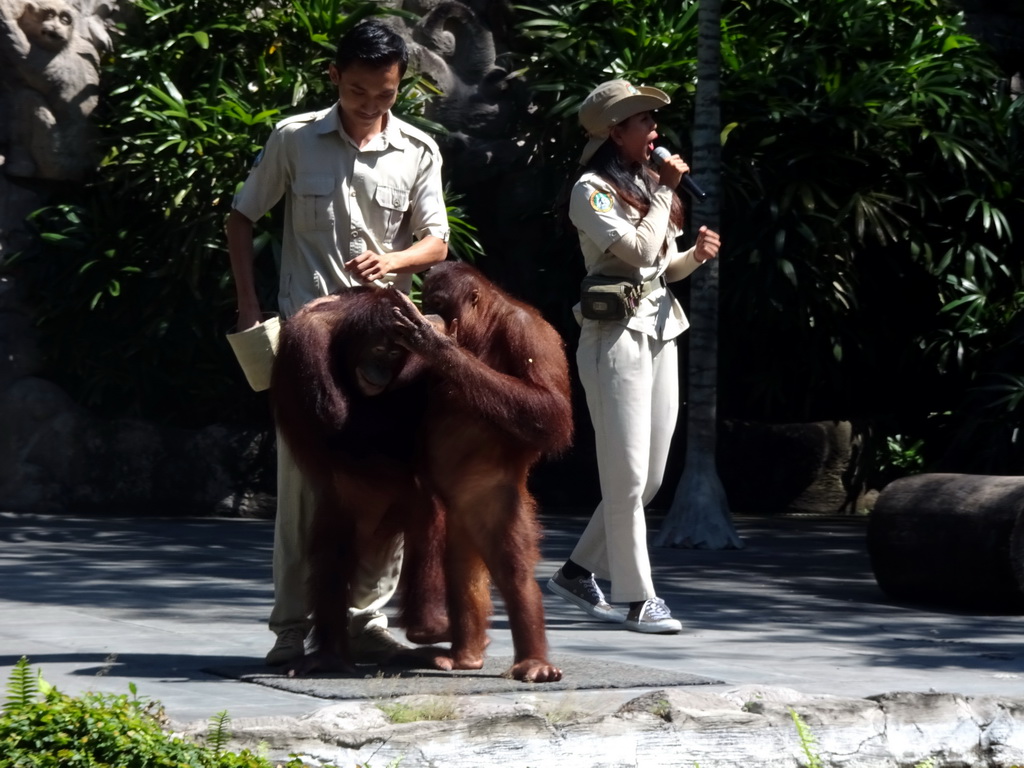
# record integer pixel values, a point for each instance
(609, 298)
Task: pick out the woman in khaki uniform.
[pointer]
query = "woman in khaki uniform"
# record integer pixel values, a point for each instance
(628, 217)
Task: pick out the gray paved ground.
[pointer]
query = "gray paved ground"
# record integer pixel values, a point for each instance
(97, 603)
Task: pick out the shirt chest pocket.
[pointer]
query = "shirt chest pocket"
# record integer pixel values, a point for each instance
(393, 203)
(313, 202)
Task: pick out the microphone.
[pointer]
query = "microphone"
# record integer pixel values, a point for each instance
(660, 155)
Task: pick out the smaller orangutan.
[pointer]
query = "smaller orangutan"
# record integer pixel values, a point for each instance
(499, 400)
(348, 400)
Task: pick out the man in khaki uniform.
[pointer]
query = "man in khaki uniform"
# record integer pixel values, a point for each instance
(364, 204)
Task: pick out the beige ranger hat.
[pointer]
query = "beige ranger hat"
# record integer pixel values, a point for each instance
(611, 103)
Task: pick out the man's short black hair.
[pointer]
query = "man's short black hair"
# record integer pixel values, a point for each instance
(372, 43)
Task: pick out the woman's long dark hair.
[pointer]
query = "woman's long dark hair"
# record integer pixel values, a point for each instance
(607, 162)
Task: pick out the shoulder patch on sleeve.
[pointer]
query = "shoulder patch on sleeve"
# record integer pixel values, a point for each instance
(600, 201)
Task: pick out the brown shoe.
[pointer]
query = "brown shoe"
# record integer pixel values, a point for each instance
(375, 645)
(290, 645)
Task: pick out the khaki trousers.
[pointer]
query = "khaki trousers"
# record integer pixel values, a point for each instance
(373, 586)
(632, 386)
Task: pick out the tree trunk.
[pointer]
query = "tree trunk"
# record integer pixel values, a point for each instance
(699, 517)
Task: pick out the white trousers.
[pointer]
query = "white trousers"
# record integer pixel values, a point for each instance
(373, 586)
(632, 386)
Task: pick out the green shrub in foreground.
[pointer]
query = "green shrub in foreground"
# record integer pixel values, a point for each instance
(43, 728)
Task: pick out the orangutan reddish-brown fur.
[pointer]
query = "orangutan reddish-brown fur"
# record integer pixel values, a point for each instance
(349, 402)
(500, 400)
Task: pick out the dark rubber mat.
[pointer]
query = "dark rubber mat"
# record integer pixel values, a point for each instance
(579, 673)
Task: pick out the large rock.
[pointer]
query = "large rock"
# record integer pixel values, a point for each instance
(57, 457)
(945, 540)
(772, 468)
(747, 726)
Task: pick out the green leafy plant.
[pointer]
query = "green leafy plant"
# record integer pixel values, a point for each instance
(136, 263)
(133, 292)
(218, 735)
(979, 346)
(463, 243)
(872, 176)
(22, 687)
(808, 743)
(44, 728)
(870, 148)
(571, 46)
(898, 457)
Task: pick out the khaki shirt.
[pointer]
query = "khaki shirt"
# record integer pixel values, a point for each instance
(601, 218)
(342, 200)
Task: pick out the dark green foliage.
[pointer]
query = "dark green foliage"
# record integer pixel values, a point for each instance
(137, 264)
(133, 293)
(874, 164)
(571, 47)
(53, 730)
(872, 177)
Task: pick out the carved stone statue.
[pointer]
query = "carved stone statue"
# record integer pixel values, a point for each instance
(457, 45)
(52, 49)
(462, 46)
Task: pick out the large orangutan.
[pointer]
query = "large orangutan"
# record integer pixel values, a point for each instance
(500, 399)
(349, 401)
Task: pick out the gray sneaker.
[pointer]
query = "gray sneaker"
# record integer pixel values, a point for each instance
(652, 616)
(584, 593)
